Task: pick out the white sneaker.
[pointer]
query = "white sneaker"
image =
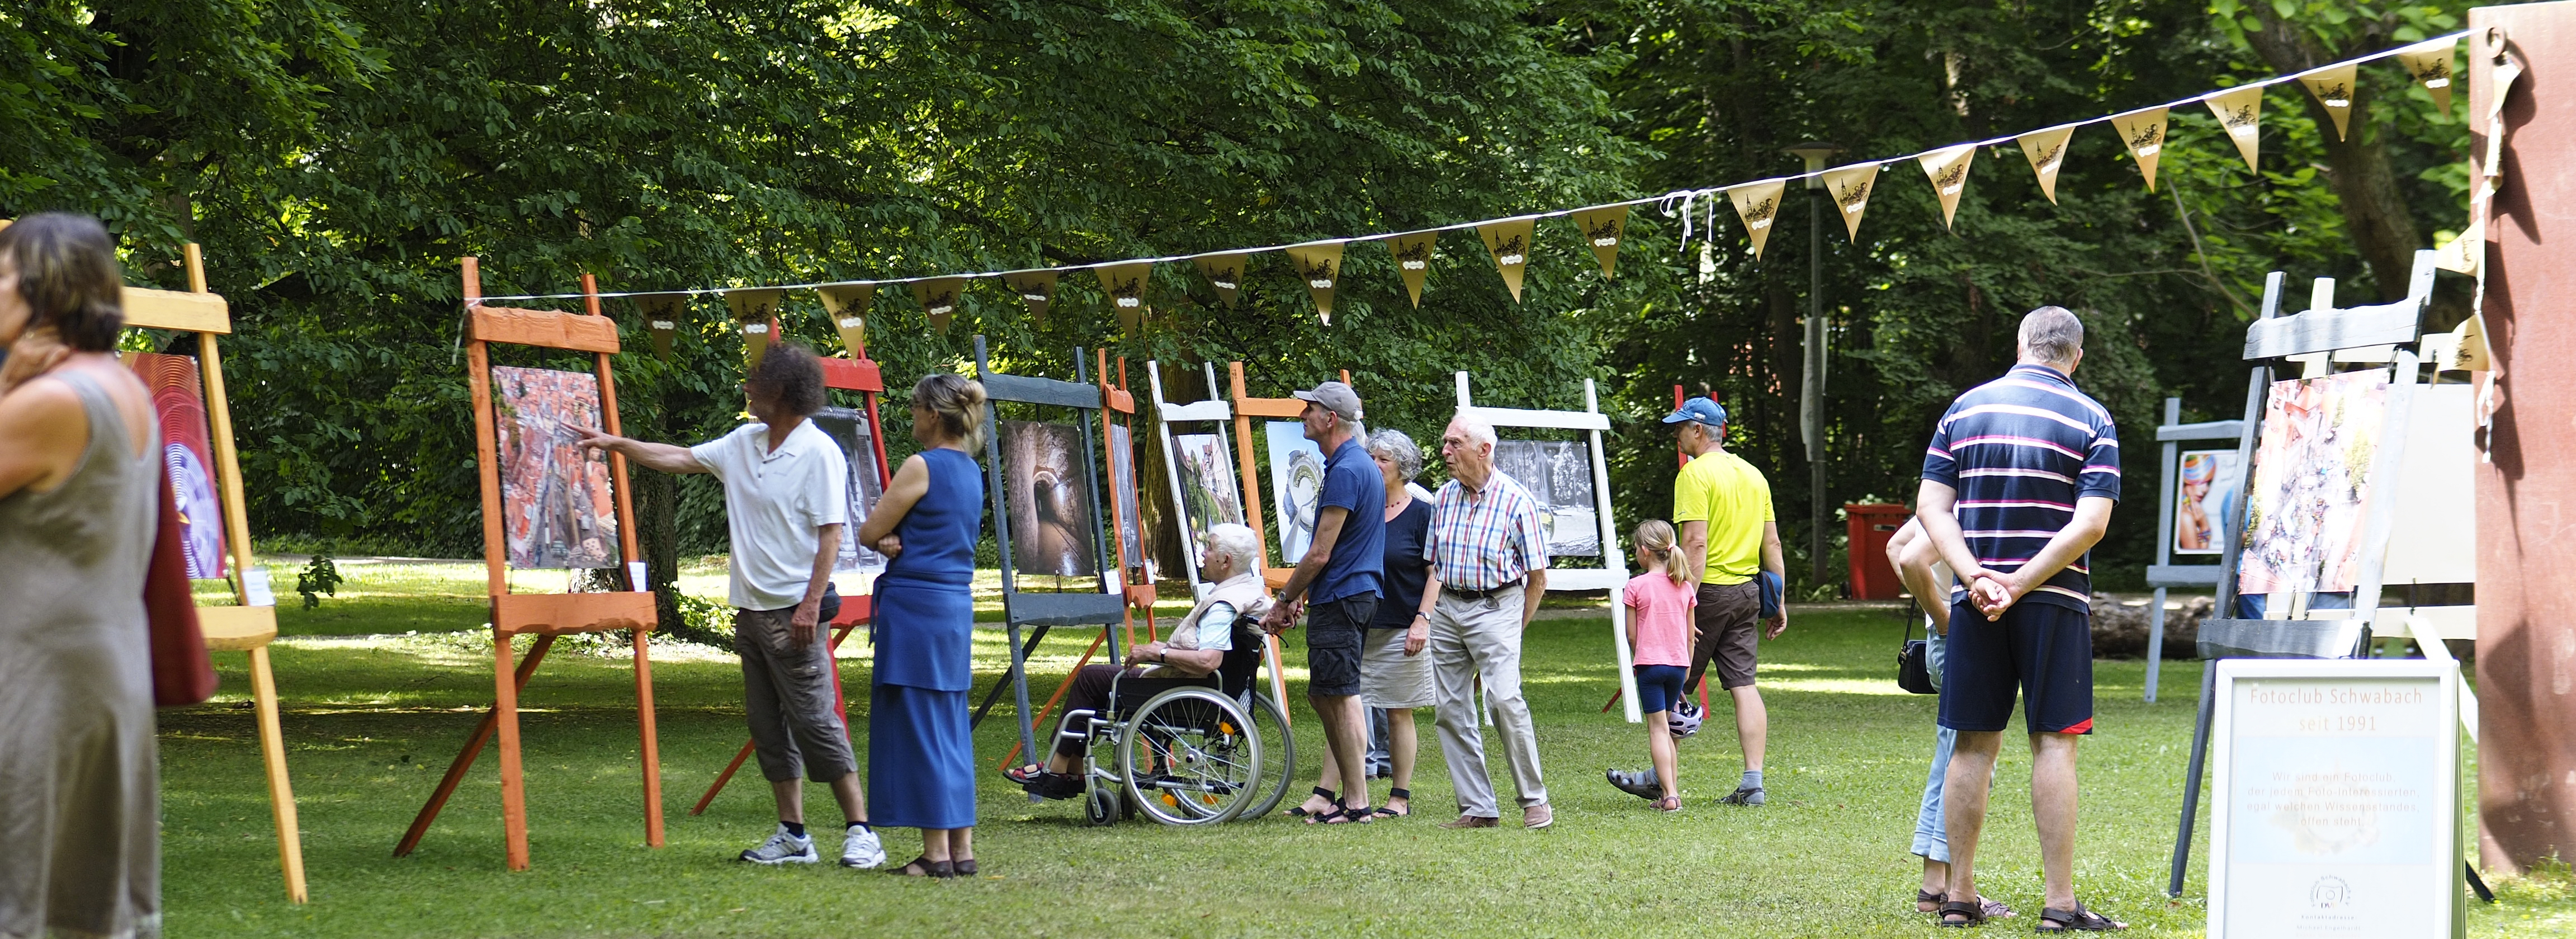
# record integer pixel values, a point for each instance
(861, 849)
(784, 848)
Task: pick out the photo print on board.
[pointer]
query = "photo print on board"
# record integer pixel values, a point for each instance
(1558, 473)
(2211, 482)
(178, 401)
(555, 498)
(1209, 497)
(1296, 487)
(1048, 491)
(849, 431)
(2312, 483)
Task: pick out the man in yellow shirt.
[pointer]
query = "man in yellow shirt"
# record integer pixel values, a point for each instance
(1730, 542)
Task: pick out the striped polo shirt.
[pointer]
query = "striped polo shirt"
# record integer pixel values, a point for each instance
(2019, 451)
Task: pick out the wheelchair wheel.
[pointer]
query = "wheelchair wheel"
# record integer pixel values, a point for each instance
(1278, 754)
(1100, 805)
(1190, 757)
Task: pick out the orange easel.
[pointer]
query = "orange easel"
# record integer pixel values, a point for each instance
(1247, 407)
(543, 615)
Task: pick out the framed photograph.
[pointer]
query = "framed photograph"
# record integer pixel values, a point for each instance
(2312, 483)
(555, 496)
(1558, 473)
(178, 401)
(2210, 483)
(1296, 486)
(1047, 485)
(1209, 495)
(848, 429)
(1122, 480)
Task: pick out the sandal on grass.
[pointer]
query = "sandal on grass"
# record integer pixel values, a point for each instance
(1668, 804)
(1926, 901)
(1970, 913)
(1343, 815)
(923, 866)
(2077, 919)
(1299, 811)
(1392, 795)
(964, 867)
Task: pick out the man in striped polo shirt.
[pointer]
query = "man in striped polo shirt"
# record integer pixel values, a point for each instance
(2017, 485)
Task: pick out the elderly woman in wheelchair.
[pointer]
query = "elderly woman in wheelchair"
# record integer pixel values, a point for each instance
(1173, 732)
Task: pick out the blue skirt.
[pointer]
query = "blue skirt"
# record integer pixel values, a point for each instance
(921, 758)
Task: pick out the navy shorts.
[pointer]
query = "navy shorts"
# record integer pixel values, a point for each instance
(1659, 687)
(2043, 650)
(1335, 634)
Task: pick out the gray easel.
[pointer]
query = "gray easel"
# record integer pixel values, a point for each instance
(2165, 573)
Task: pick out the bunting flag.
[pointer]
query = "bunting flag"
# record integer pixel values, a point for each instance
(939, 298)
(2047, 151)
(1758, 204)
(1602, 228)
(1225, 273)
(1509, 242)
(847, 305)
(1124, 285)
(1849, 187)
(1948, 170)
(2240, 110)
(1320, 266)
(757, 311)
(1413, 260)
(2333, 88)
(2430, 65)
(2143, 132)
(662, 313)
(1035, 288)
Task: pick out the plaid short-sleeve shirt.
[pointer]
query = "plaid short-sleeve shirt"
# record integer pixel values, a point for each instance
(1484, 538)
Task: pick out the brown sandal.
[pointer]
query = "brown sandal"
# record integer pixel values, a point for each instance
(923, 866)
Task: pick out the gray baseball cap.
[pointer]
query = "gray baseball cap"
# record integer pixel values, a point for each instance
(1335, 397)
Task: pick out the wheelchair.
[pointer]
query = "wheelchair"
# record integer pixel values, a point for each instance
(1185, 751)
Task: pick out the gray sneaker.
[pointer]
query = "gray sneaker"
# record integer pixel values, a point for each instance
(784, 848)
(1643, 785)
(1743, 795)
(861, 849)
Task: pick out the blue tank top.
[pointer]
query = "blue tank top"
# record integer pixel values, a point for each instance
(940, 532)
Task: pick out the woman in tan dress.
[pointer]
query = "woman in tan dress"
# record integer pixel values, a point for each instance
(80, 849)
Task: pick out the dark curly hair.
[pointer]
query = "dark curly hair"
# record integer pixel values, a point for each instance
(67, 272)
(791, 374)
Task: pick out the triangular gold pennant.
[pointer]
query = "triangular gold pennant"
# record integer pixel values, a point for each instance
(1602, 228)
(2430, 66)
(662, 313)
(847, 305)
(1413, 260)
(1225, 273)
(940, 298)
(1758, 204)
(1948, 170)
(2240, 111)
(1509, 242)
(1124, 285)
(1849, 187)
(1320, 266)
(757, 311)
(1035, 288)
(2047, 151)
(2143, 132)
(2334, 89)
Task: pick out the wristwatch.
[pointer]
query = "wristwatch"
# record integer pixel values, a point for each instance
(1418, 614)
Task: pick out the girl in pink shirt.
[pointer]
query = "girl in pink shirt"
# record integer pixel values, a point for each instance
(1660, 633)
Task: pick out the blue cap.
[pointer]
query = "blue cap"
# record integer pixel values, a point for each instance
(1702, 410)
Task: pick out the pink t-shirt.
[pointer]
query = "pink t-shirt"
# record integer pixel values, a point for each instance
(1663, 612)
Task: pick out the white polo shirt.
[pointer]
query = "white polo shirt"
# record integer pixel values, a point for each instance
(775, 500)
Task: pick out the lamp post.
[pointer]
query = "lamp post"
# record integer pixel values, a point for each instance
(1811, 384)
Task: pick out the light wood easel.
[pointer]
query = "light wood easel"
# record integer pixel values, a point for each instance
(241, 627)
(546, 615)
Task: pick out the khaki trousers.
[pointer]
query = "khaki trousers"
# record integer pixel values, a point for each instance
(1471, 638)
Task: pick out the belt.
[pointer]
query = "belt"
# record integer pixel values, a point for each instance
(1513, 584)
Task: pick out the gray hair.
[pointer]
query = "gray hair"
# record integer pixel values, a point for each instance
(1477, 430)
(1234, 542)
(1398, 449)
(2051, 334)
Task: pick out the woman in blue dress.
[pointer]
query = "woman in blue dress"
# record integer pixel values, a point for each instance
(921, 751)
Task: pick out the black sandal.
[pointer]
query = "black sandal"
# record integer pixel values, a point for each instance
(1344, 815)
(1922, 896)
(1392, 795)
(1299, 811)
(1973, 913)
(927, 868)
(965, 868)
(2075, 920)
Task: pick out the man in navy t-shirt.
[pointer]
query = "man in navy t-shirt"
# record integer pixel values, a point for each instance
(1340, 580)
(2017, 485)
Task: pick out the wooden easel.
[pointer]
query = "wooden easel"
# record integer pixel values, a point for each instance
(1217, 413)
(1043, 611)
(242, 626)
(546, 615)
(2165, 573)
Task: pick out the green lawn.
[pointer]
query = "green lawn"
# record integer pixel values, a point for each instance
(372, 722)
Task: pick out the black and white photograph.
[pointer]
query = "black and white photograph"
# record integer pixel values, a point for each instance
(1559, 474)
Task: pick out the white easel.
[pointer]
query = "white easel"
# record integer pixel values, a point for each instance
(1217, 413)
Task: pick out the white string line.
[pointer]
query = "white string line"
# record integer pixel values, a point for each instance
(1686, 195)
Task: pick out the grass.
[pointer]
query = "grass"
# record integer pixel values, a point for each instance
(372, 722)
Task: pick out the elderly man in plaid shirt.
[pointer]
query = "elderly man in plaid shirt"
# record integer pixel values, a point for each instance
(1489, 553)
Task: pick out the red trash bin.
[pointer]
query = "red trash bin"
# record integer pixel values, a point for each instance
(1871, 527)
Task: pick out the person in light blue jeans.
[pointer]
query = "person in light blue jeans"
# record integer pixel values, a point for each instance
(1919, 565)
